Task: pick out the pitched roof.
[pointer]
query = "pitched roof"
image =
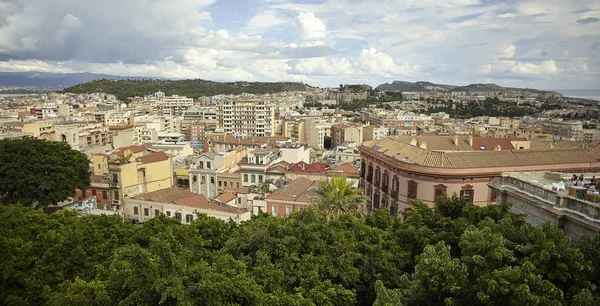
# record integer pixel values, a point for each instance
(400, 150)
(489, 143)
(347, 168)
(241, 190)
(292, 191)
(226, 197)
(153, 157)
(184, 197)
(298, 167)
(316, 167)
(134, 149)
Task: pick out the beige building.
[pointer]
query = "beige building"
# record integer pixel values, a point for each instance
(180, 204)
(134, 170)
(567, 130)
(346, 132)
(510, 123)
(316, 131)
(207, 168)
(398, 170)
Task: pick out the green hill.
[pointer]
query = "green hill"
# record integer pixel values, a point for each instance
(190, 88)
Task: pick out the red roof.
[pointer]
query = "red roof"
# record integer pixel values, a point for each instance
(226, 198)
(298, 167)
(317, 167)
(153, 157)
(133, 149)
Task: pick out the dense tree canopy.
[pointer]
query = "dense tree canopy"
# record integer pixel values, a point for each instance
(458, 254)
(38, 171)
(190, 88)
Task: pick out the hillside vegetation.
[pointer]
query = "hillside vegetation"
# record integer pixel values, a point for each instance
(457, 254)
(190, 88)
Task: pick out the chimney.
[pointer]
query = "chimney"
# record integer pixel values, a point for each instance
(455, 141)
(470, 140)
(497, 148)
(423, 145)
(413, 142)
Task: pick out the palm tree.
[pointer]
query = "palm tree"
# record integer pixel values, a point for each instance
(337, 197)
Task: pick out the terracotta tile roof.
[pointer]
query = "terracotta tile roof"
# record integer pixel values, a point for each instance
(347, 168)
(440, 143)
(489, 143)
(134, 149)
(316, 167)
(400, 150)
(226, 198)
(200, 201)
(153, 157)
(167, 195)
(298, 167)
(242, 190)
(120, 127)
(292, 191)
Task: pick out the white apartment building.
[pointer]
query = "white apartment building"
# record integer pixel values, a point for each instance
(316, 130)
(246, 118)
(175, 105)
(567, 130)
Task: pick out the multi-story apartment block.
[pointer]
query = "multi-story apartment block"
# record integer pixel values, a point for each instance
(413, 121)
(510, 123)
(373, 132)
(174, 105)
(124, 136)
(316, 131)
(42, 129)
(567, 130)
(246, 118)
(224, 143)
(343, 132)
(380, 117)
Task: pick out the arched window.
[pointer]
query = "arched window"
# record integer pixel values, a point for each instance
(467, 193)
(439, 190)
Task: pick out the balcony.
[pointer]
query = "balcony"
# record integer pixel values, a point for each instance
(384, 188)
(370, 178)
(114, 184)
(377, 183)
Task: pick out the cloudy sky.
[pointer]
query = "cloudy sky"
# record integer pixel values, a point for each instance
(548, 44)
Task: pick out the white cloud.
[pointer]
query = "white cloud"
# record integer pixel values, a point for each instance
(311, 29)
(34, 65)
(322, 66)
(374, 62)
(276, 70)
(509, 51)
(265, 20)
(545, 68)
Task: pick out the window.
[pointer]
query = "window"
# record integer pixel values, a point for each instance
(231, 184)
(492, 195)
(99, 166)
(135, 211)
(203, 180)
(207, 165)
(178, 216)
(168, 213)
(116, 195)
(83, 193)
(93, 192)
(274, 210)
(104, 194)
(245, 178)
(115, 178)
(412, 190)
(238, 185)
(220, 183)
(239, 200)
(201, 164)
(189, 218)
(439, 190)
(260, 178)
(288, 210)
(212, 180)
(146, 212)
(253, 178)
(467, 193)
(194, 178)
(157, 212)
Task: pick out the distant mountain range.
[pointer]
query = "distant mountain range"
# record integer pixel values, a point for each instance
(431, 87)
(56, 80)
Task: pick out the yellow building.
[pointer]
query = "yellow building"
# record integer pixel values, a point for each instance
(40, 129)
(510, 123)
(135, 170)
